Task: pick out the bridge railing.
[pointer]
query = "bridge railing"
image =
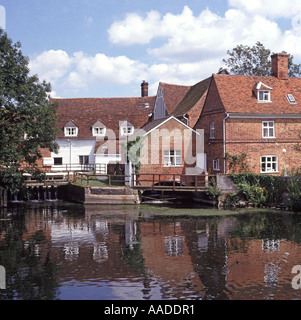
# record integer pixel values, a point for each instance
(172, 182)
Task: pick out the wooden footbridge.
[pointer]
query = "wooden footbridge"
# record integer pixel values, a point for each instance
(145, 181)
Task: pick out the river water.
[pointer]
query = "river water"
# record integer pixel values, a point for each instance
(56, 250)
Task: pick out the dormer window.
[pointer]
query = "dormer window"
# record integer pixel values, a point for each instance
(263, 92)
(264, 95)
(71, 129)
(126, 128)
(98, 129)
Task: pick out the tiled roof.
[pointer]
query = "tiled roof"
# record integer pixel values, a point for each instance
(193, 95)
(85, 112)
(238, 94)
(173, 94)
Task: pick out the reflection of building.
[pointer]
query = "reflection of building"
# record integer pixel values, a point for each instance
(262, 269)
(168, 260)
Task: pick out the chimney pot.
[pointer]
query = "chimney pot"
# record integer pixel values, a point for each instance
(144, 89)
(280, 66)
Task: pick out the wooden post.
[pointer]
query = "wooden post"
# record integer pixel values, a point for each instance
(109, 180)
(174, 182)
(206, 179)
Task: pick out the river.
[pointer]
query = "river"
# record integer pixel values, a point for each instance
(57, 250)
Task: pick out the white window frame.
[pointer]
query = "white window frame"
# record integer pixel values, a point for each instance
(211, 130)
(172, 158)
(216, 165)
(99, 131)
(126, 130)
(291, 99)
(266, 127)
(266, 95)
(269, 162)
(71, 131)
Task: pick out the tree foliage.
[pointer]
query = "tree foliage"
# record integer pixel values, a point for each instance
(27, 118)
(255, 61)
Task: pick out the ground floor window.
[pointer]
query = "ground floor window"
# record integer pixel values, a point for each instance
(57, 161)
(84, 159)
(269, 164)
(216, 165)
(172, 158)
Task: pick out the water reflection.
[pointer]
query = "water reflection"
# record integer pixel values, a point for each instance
(60, 251)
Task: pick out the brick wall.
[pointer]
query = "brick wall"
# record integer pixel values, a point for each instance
(170, 136)
(245, 135)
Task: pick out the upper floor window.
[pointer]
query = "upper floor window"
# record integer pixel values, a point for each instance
(264, 95)
(172, 158)
(263, 92)
(98, 129)
(126, 128)
(268, 129)
(212, 130)
(71, 129)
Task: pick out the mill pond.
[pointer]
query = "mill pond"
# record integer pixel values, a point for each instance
(57, 250)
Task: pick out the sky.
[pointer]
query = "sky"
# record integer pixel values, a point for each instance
(106, 48)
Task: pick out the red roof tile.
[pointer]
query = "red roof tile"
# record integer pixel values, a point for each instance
(86, 111)
(238, 94)
(173, 94)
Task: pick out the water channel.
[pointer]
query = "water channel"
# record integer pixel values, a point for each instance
(56, 250)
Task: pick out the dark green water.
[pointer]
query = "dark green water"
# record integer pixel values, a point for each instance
(55, 250)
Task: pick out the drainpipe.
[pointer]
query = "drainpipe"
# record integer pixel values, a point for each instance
(224, 139)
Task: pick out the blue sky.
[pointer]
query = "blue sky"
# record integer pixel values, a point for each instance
(105, 48)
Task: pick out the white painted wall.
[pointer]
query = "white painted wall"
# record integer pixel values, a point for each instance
(72, 149)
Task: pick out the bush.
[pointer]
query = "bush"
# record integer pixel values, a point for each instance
(294, 189)
(259, 189)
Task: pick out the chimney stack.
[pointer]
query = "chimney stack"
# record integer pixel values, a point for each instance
(144, 89)
(280, 66)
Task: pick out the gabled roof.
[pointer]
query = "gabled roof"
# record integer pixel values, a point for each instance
(71, 124)
(157, 123)
(237, 95)
(86, 111)
(99, 124)
(194, 94)
(173, 94)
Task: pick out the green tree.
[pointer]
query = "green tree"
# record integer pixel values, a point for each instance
(27, 118)
(255, 61)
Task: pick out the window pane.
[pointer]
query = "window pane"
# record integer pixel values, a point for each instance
(265, 132)
(271, 132)
(271, 123)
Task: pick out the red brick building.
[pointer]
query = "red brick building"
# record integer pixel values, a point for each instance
(260, 116)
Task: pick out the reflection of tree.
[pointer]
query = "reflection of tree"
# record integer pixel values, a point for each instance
(268, 225)
(29, 275)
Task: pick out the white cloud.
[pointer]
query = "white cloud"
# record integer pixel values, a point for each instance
(50, 65)
(191, 47)
(135, 29)
(268, 8)
(104, 69)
